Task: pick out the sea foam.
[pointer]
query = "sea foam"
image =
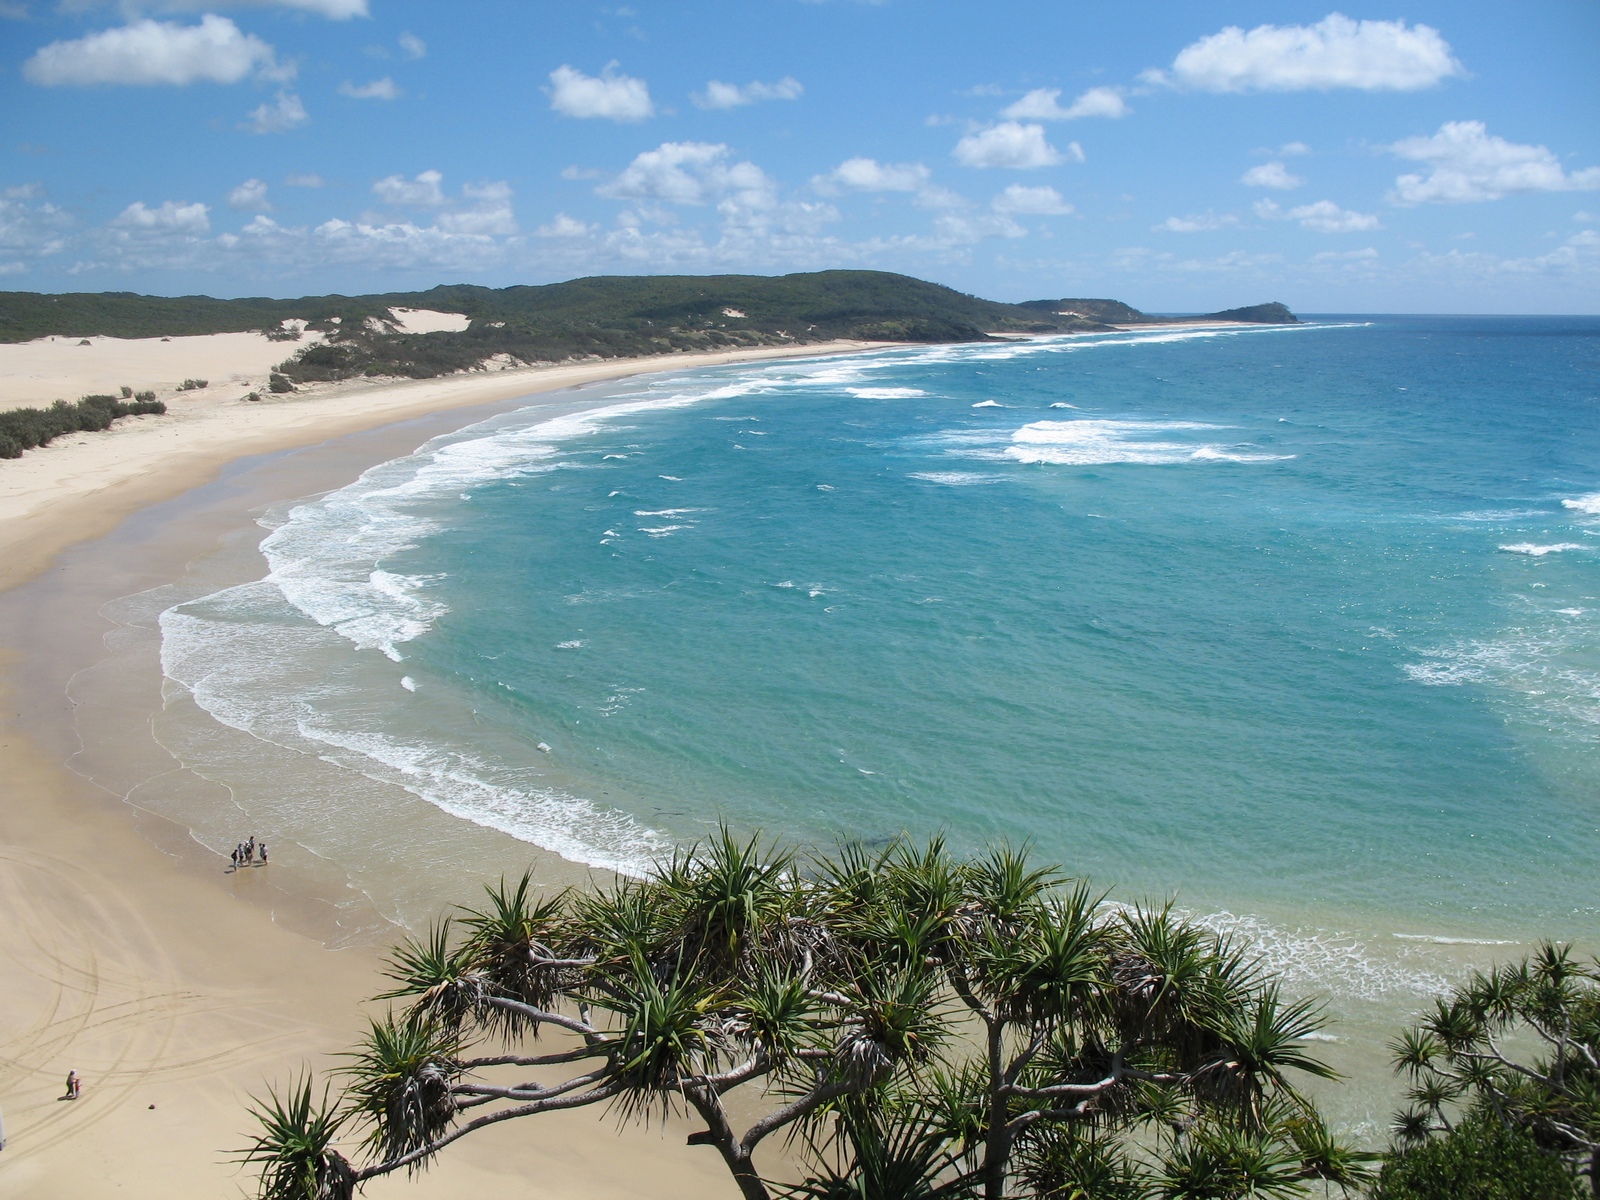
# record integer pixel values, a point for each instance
(1096, 442)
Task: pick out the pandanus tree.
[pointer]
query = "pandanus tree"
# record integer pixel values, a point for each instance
(912, 1025)
(1519, 1045)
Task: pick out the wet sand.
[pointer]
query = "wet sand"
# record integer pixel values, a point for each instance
(129, 952)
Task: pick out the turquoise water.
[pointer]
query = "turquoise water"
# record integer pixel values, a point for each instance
(1302, 622)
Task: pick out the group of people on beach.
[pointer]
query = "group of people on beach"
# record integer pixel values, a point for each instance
(250, 853)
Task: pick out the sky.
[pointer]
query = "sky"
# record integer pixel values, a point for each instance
(1443, 157)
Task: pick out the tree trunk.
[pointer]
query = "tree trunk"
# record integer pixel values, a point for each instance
(720, 1134)
(997, 1139)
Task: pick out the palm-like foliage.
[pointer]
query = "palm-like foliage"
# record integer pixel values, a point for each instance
(402, 1085)
(1456, 1056)
(294, 1149)
(924, 1027)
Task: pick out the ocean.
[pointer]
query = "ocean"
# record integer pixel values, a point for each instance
(1298, 627)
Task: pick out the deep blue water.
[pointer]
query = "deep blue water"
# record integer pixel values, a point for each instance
(1299, 621)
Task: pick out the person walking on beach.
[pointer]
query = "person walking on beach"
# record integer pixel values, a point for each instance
(74, 1085)
(250, 850)
(235, 857)
(261, 851)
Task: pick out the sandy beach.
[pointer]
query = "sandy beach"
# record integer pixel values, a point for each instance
(174, 988)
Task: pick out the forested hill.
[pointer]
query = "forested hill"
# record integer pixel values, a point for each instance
(1115, 312)
(597, 317)
(813, 306)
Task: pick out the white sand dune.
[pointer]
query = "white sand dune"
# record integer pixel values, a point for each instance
(62, 368)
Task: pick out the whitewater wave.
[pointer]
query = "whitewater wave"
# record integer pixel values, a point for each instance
(1534, 550)
(954, 478)
(1588, 505)
(1098, 442)
(885, 393)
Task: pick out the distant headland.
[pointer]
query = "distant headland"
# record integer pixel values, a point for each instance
(405, 335)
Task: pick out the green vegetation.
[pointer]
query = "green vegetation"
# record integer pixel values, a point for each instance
(912, 1024)
(24, 428)
(189, 385)
(1483, 1158)
(598, 317)
(1256, 314)
(1462, 1054)
(1115, 312)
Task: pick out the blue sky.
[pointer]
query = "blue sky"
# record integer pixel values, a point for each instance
(1180, 156)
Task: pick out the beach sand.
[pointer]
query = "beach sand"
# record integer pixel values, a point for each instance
(176, 989)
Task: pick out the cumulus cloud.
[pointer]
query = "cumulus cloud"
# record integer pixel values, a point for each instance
(169, 217)
(563, 226)
(1043, 104)
(731, 95)
(1324, 216)
(488, 214)
(685, 173)
(412, 46)
(1197, 223)
(870, 175)
(422, 192)
(250, 196)
(609, 95)
(305, 180)
(1465, 164)
(960, 229)
(155, 52)
(1021, 200)
(1293, 149)
(335, 10)
(1271, 175)
(277, 116)
(1014, 145)
(1336, 52)
(31, 226)
(378, 89)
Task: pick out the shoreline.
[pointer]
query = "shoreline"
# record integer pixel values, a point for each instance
(128, 962)
(65, 637)
(81, 486)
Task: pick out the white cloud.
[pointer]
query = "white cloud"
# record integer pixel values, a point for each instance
(1271, 175)
(169, 217)
(278, 115)
(421, 192)
(1586, 218)
(959, 229)
(489, 216)
(335, 10)
(1346, 256)
(609, 95)
(36, 230)
(1467, 164)
(731, 95)
(869, 175)
(1010, 144)
(1043, 104)
(1293, 149)
(686, 173)
(1334, 53)
(563, 226)
(412, 46)
(1327, 217)
(1021, 200)
(1324, 216)
(308, 180)
(155, 52)
(378, 89)
(250, 196)
(1197, 223)
(935, 196)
